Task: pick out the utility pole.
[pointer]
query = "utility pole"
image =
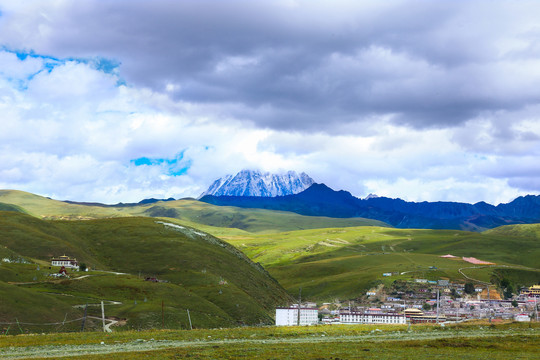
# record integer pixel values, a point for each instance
(189, 318)
(437, 306)
(299, 305)
(162, 316)
(489, 305)
(103, 315)
(84, 317)
(536, 308)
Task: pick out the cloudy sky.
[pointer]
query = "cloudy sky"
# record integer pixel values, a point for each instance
(123, 100)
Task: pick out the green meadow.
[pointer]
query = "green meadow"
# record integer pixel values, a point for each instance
(345, 262)
(462, 341)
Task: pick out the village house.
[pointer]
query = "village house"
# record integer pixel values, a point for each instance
(66, 262)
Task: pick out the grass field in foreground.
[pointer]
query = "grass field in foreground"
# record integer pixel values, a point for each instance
(462, 341)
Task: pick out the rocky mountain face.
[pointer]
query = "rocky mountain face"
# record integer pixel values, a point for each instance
(320, 200)
(259, 184)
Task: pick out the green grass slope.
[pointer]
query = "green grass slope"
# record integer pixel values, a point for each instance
(521, 230)
(10, 207)
(31, 237)
(211, 278)
(192, 211)
(46, 208)
(345, 262)
(251, 220)
(29, 307)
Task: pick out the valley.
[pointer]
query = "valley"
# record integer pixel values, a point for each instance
(228, 266)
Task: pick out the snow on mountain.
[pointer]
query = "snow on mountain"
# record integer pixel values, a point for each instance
(371, 196)
(256, 183)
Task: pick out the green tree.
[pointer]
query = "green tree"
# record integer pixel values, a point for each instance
(426, 307)
(514, 303)
(469, 288)
(82, 267)
(507, 288)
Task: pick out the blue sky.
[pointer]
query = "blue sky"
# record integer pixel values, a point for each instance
(124, 100)
(176, 166)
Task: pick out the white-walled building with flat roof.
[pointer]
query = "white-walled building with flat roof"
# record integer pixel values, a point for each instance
(371, 316)
(289, 316)
(66, 262)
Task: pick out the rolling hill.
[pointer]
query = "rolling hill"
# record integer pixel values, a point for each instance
(216, 282)
(345, 262)
(328, 258)
(192, 211)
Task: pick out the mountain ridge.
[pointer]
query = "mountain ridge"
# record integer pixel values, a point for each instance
(260, 184)
(320, 200)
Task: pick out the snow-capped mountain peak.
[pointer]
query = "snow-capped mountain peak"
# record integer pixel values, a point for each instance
(257, 183)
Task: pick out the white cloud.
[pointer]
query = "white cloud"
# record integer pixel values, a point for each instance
(15, 69)
(428, 102)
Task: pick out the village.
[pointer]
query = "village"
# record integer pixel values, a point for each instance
(421, 300)
(424, 302)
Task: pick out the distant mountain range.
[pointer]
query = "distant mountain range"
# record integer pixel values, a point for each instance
(320, 200)
(298, 193)
(142, 202)
(259, 184)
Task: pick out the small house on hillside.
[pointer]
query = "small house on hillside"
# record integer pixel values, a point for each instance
(65, 261)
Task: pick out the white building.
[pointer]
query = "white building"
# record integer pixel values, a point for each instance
(371, 316)
(66, 262)
(289, 316)
(522, 317)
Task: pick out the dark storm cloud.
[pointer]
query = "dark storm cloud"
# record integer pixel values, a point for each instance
(312, 65)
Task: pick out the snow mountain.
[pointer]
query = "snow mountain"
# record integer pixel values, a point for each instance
(262, 184)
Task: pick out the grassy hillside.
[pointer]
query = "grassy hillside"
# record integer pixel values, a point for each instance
(43, 207)
(328, 258)
(26, 306)
(216, 282)
(192, 211)
(531, 231)
(10, 207)
(252, 220)
(345, 262)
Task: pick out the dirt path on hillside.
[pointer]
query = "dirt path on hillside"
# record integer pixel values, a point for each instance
(491, 266)
(107, 326)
